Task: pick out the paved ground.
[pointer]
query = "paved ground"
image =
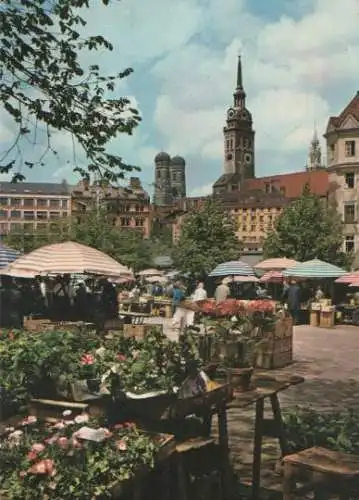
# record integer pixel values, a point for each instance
(329, 361)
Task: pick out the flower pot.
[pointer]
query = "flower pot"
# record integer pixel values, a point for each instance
(240, 378)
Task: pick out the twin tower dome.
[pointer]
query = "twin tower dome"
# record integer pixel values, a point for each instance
(170, 179)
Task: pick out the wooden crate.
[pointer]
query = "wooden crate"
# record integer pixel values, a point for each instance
(314, 318)
(284, 327)
(139, 331)
(271, 360)
(327, 319)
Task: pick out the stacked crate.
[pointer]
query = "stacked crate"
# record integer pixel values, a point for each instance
(276, 350)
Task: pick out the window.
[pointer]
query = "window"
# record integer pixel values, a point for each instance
(349, 213)
(350, 180)
(349, 148)
(158, 174)
(15, 228)
(253, 227)
(139, 222)
(125, 221)
(15, 214)
(349, 244)
(29, 202)
(174, 177)
(54, 215)
(29, 215)
(41, 203)
(282, 190)
(41, 226)
(54, 203)
(15, 202)
(42, 215)
(4, 201)
(64, 204)
(65, 214)
(267, 188)
(28, 228)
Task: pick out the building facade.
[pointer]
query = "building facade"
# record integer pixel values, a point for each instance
(170, 179)
(342, 137)
(29, 206)
(239, 144)
(129, 207)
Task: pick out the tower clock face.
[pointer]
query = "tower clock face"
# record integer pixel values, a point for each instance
(248, 157)
(231, 113)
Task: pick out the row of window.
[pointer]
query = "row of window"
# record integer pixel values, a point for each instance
(256, 218)
(349, 149)
(126, 221)
(27, 227)
(32, 202)
(247, 143)
(31, 215)
(256, 210)
(254, 228)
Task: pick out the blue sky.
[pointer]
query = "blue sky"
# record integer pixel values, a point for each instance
(299, 64)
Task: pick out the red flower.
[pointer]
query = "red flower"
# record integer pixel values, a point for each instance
(121, 357)
(87, 359)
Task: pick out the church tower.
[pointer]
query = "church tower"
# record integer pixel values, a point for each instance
(239, 134)
(315, 154)
(162, 194)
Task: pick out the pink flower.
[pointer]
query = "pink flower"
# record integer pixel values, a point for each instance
(37, 447)
(81, 419)
(121, 357)
(121, 445)
(63, 443)
(29, 420)
(59, 425)
(87, 359)
(43, 467)
(52, 439)
(32, 455)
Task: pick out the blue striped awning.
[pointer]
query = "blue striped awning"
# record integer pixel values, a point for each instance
(7, 255)
(314, 269)
(233, 268)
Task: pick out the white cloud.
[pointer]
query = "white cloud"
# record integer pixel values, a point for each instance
(202, 190)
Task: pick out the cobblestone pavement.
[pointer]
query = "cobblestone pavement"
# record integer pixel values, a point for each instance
(328, 359)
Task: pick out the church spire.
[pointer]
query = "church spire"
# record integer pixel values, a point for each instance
(239, 74)
(315, 153)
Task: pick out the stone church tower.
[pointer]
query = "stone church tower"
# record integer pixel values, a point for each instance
(315, 154)
(238, 141)
(170, 179)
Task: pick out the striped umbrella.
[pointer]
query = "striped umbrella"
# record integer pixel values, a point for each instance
(233, 268)
(67, 258)
(349, 278)
(272, 277)
(314, 269)
(279, 263)
(7, 255)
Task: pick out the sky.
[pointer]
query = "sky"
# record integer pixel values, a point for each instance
(300, 65)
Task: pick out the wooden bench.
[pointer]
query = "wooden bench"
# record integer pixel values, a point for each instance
(322, 472)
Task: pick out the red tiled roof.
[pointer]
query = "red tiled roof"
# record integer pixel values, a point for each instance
(292, 184)
(351, 109)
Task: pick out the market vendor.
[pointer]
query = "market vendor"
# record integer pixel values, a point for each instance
(222, 292)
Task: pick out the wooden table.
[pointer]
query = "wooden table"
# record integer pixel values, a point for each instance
(268, 388)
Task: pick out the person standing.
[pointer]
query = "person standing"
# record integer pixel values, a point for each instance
(200, 292)
(293, 300)
(222, 292)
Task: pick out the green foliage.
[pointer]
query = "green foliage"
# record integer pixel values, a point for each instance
(336, 430)
(307, 229)
(43, 83)
(49, 461)
(207, 239)
(95, 229)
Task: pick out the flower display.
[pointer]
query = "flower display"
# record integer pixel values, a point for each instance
(67, 466)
